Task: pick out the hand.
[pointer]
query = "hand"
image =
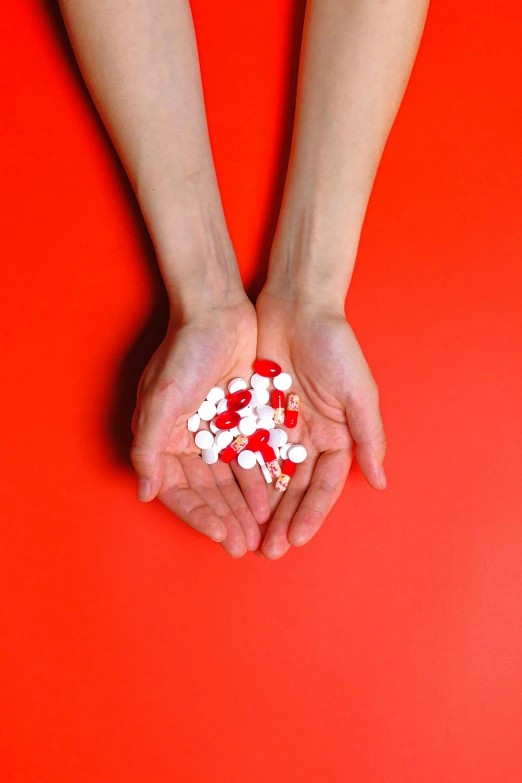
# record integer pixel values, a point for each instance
(209, 347)
(339, 409)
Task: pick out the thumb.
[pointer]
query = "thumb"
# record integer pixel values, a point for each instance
(153, 423)
(366, 427)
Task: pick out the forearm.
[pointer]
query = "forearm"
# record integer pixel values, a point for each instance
(357, 56)
(140, 63)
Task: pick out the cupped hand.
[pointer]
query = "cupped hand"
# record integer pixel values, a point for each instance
(338, 413)
(207, 348)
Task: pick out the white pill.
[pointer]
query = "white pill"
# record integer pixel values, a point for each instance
(265, 411)
(259, 382)
(283, 381)
(216, 394)
(235, 431)
(238, 384)
(207, 410)
(248, 411)
(283, 451)
(263, 395)
(297, 454)
(283, 437)
(254, 402)
(193, 423)
(247, 459)
(222, 406)
(204, 439)
(266, 474)
(276, 452)
(223, 438)
(247, 426)
(213, 426)
(210, 455)
(265, 424)
(260, 458)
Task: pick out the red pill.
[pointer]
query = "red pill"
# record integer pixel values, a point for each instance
(266, 368)
(278, 404)
(267, 452)
(287, 471)
(257, 439)
(235, 447)
(227, 420)
(292, 408)
(239, 400)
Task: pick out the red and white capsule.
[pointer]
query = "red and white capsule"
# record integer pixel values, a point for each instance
(278, 404)
(287, 471)
(292, 410)
(271, 461)
(237, 445)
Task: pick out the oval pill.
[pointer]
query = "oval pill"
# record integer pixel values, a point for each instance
(207, 410)
(266, 368)
(237, 385)
(215, 394)
(297, 454)
(259, 382)
(239, 399)
(227, 420)
(283, 381)
(204, 439)
(247, 459)
(193, 423)
(210, 456)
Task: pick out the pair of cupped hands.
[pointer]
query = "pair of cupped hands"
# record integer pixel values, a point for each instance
(338, 417)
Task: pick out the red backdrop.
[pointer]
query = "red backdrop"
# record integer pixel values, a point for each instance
(390, 648)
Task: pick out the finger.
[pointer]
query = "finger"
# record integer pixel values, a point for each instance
(153, 423)
(366, 427)
(254, 489)
(201, 479)
(276, 543)
(227, 485)
(327, 483)
(179, 498)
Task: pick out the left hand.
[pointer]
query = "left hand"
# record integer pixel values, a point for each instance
(339, 410)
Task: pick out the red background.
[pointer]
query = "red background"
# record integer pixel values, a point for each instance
(390, 648)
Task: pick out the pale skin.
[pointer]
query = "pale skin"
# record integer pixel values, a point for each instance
(140, 63)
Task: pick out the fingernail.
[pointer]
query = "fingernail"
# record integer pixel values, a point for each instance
(143, 489)
(218, 535)
(382, 477)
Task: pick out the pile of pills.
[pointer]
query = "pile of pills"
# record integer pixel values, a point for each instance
(245, 424)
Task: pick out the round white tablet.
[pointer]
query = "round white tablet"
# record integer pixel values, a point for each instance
(247, 459)
(248, 411)
(263, 395)
(210, 455)
(235, 431)
(238, 384)
(223, 438)
(254, 402)
(222, 406)
(247, 425)
(283, 437)
(265, 424)
(204, 439)
(213, 426)
(265, 411)
(193, 423)
(283, 451)
(216, 394)
(283, 381)
(297, 454)
(259, 382)
(207, 410)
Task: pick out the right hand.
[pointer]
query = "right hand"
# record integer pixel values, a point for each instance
(206, 349)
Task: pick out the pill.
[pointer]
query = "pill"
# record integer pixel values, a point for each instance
(223, 439)
(193, 423)
(204, 439)
(259, 458)
(263, 396)
(222, 405)
(266, 474)
(239, 399)
(254, 402)
(274, 468)
(266, 368)
(283, 381)
(292, 408)
(247, 459)
(277, 452)
(210, 455)
(278, 404)
(215, 394)
(259, 382)
(287, 471)
(207, 410)
(248, 411)
(247, 425)
(237, 445)
(284, 437)
(283, 450)
(265, 424)
(228, 420)
(237, 385)
(235, 431)
(267, 452)
(213, 426)
(259, 437)
(297, 454)
(275, 438)
(265, 411)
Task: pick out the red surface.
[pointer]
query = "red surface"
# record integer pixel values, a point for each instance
(390, 648)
